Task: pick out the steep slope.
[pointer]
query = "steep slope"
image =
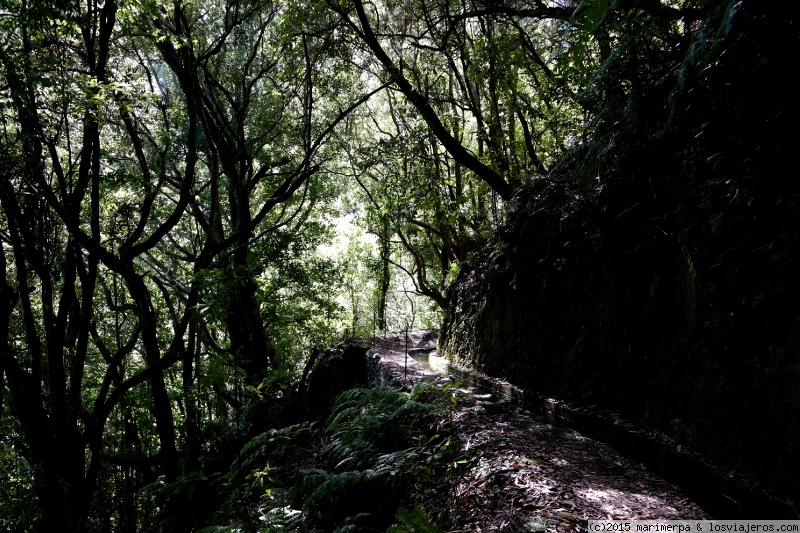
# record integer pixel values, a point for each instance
(656, 271)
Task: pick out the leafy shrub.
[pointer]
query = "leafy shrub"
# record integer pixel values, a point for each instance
(383, 443)
(378, 447)
(415, 521)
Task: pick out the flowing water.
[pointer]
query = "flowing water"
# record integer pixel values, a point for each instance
(430, 361)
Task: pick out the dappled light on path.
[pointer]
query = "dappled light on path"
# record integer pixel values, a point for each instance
(523, 470)
(522, 473)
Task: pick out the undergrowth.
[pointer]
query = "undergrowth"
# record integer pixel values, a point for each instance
(366, 469)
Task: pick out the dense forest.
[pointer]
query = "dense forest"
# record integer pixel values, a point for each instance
(198, 199)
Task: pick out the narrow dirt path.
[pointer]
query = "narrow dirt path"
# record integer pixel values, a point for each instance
(525, 474)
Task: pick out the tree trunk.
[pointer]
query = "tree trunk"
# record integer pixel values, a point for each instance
(384, 278)
(162, 407)
(192, 418)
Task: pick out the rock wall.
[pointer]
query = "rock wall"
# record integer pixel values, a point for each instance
(665, 285)
(642, 330)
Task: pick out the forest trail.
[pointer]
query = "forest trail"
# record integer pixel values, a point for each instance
(523, 473)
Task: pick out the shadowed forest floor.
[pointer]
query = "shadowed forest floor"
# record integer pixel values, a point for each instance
(522, 473)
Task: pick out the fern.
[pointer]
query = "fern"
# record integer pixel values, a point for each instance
(365, 423)
(219, 529)
(332, 485)
(272, 442)
(415, 521)
(380, 446)
(254, 480)
(280, 520)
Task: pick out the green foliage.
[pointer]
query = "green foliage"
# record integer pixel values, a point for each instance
(357, 284)
(279, 520)
(415, 521)
(16, 488)
(382, 447)
(170, 156)
(253, 490)
(383, 444)
(360, 262)
(297, 291)
(366, 422)
(275, 445)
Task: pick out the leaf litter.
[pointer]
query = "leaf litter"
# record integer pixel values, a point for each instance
(517, 472)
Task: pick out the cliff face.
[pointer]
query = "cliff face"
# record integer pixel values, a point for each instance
(663, 283)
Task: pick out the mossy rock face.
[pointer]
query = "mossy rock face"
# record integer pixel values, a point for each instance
(339, 369)
(667, 289)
